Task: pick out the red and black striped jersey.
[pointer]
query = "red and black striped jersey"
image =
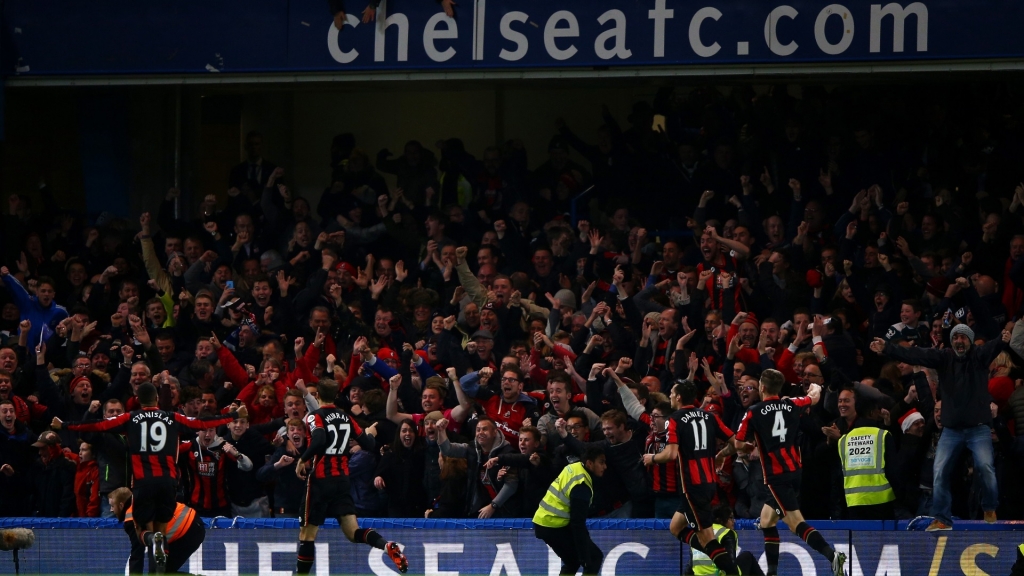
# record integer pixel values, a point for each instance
(664, 478)
(694, 431)
(207, 470)
(330, 429)
(152, 437)
(774, 422)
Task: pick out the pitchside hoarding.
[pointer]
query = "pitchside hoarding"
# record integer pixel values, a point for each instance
(271, 552)
(54, 37)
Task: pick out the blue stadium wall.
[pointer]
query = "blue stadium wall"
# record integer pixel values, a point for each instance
(457, 548)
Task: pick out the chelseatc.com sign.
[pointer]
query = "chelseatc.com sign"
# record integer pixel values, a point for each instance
(50, 37)
(455, 552)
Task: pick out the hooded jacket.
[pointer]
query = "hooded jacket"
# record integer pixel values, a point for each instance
(87, 489)
(481, 482)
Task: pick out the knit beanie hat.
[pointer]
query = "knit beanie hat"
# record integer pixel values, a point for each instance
(961, 329)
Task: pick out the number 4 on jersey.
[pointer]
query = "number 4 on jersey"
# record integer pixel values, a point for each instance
(779, 428)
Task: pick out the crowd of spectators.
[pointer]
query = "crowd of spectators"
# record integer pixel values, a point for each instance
(492, 337)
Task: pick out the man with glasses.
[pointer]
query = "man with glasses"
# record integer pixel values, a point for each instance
(510, 406)
(664, 478)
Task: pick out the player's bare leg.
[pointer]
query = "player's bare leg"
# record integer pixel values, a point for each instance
(369, 536)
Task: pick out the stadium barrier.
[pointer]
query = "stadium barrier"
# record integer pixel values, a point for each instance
(495, 547)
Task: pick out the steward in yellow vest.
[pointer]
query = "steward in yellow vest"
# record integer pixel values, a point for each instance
(561, 518)
(723, 528)
(702, 564)
(862, 453)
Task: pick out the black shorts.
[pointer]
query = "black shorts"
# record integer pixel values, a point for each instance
(695, 505)
(326, 498)
(784, 492)
(153, 500)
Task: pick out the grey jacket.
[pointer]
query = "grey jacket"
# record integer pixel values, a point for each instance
(476, 494)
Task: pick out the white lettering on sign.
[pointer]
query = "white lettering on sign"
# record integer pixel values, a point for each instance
(384, 21)
(608, 568)
(195, 563)
(518, 38)
(699, 48)
(660, 15)
(341, 57)
(819, 29)
(431, 33)
(899, 16)
(609, 33)
(553, 31)
(505, 561)
(771, 38)
(430, 558)
(617, 33)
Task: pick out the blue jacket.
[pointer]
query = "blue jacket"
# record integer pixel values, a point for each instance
(31, 310)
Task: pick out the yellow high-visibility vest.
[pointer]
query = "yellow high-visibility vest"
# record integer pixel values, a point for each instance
(702, 563)
(862, 452)
(554, 508)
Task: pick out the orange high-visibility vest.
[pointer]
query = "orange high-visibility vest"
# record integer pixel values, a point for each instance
(179, 524)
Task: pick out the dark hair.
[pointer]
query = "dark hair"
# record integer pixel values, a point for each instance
(913, 303)
(396, 444)
(146, 393)
(46, 280)
(519, 373)
(578, 414)
(375, 400)
(189, 393)
(328, 390)
(199, 369)
(721, 513)
(687, 391)
(665, 408)
(591, 454)
(560, 376)
(773, 381)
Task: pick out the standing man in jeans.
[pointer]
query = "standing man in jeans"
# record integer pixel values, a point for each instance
(963, 389)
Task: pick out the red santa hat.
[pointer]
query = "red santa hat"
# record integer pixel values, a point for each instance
(908, 419)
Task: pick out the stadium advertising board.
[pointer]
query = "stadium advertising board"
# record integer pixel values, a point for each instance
(53, 37)
(271, 552)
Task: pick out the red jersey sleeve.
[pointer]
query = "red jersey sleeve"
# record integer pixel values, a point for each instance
(741, 434)
(101, 426)
(356, 428)
(801, 401)
(723, 431)
(204, 423)
(672, 438)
